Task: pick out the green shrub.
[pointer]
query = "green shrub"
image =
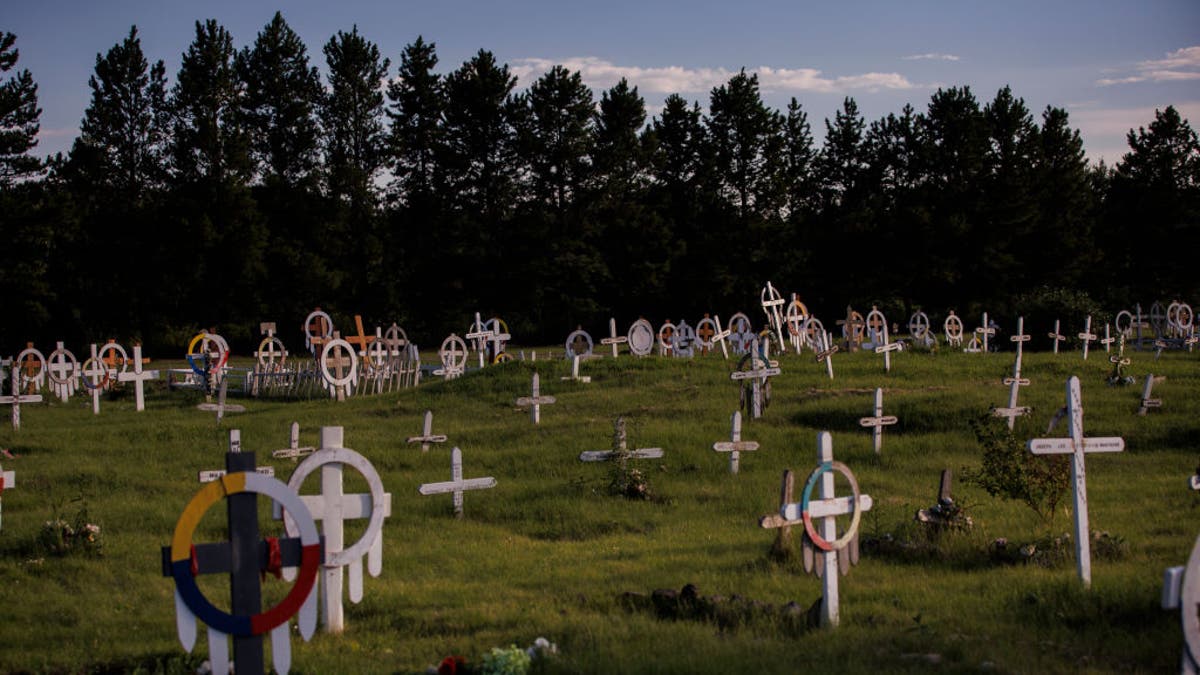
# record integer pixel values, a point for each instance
(1009, 471)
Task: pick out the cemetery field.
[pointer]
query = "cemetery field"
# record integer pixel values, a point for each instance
(549, 552)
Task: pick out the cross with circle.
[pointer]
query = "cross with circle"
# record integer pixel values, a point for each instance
(17, 398)
(95, 378)
(63, 368)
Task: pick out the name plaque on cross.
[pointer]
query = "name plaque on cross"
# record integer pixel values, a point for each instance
(735, 445)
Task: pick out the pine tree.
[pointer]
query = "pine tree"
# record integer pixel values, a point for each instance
(743, 132)
(554, 138)
(417, 102)
(352, 115)
(842, 158)
(19, 115)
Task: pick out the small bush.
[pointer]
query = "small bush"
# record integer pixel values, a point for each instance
(1010, 471)
(62, 536)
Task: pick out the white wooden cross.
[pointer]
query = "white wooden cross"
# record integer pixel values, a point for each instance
(453, 355)
(235, 445)
(95, 378)
(30, 366)
(1077, 445)
(293, 452)
(666, 338)
(457, 484)
(985, 331)
(886, 347)
(17, 398)
(535, 400)
(332, 506)
(825, 353)
(735, 445)
(721, 336)
(1020, 338)
(1181, 590)
(575, 376)
(620, 451)
(1013, 411)
(771, 302)
(757, 373)
(8, 481)
(339, 367)
(138, 377)
(579, 343)
(1147, 402)
(878, 421)
(1108, 339)
(497, 338)
(613, 339)
(220, 407)
(1087, 336)
(479, 335)
(953, 328)
(427, 436)
(1057, 336)
(825, 509)
(64, 369)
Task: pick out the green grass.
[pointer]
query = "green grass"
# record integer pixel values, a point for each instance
(549, 553)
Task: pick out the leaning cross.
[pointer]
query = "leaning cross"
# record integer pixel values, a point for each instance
(735, 445)
(536, 400)
(721, 336)
(293, 452)
(1057, 336)
(620, 451)
(361, 340)
(333, 507)
(758, 372)
(825, 509)
(427, 436)
(825, 353)
(17, 399)
(771, 302)
(1147, 402)
(457, 484)
(614, 339)
(1013, 411)
(783, 541)
(878, 421)
(220, 407)
(1087, 336)
(138, 377)
(1077, 446)
(886, 348)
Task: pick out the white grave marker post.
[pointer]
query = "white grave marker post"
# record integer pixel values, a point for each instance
(63, 368)
(8, 480)
(339, 367)
(613, 339)
(1077, 446)
(1108, 339)
(453, 355)
(825, 352)
(535, 400)
(757, 370)
(293, 452)
(1013, 411)
(1056, 336)
(985, 331)
(221, 407)
(1087, 336)
(771, 302)
(666, 338)
(721, 336)
(877, 422)
(457, 484)
(479, 335)
(235, 445)
(886, 347)
(1020, 338)
(620, 449)
(575, 376)
(427, 436)
(1147, 402)
(706, 328)
(95, 378)
(333, 507)
(735, 445)
(825, 509)
(138, 377)
(17, 399)
(953, 328)
(1181, 590)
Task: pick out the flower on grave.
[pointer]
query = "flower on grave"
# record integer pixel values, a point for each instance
(541, 648)
(60, 536)
(511, 660)
(452, 665)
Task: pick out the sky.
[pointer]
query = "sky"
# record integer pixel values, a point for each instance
(1109, 63)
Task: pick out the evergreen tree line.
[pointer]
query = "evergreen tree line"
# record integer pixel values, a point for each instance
(251, 190)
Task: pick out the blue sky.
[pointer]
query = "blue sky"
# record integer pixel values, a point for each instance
(1109, 63)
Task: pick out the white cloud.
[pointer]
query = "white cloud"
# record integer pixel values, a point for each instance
(1179, 65)
(601, 74)
(931, 56)
(1104, 129)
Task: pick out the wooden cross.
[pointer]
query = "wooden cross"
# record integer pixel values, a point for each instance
(795, 317)
(245, 558)
(138, 377)
(918, 328)
(741, 333)
(575, 376)
(235, 445)
(478, 335)
(317, 329)
(1158, 318)
(32, 369)
(954, 330)
(1020, 337)
(878, 421)
(1014, 383)
(936, 515)
(1108, 339)
(536, 400)
(220, 407)
(721, 336)
(783, 541)
(825, 353)
(1147, 402)
(1056, 336)
(113, 356)
(453, 355)
(17, 398)
(706, 329)
(985, 331)
(8, 480)
(852, 328)
(427, 436)
(886, 348)
(825, 509)
(361, 339)
(63, 368)
(333, 507)
(1181, 590)
(457, 484)
(1087, 336)
(735, 445)
(339, 367)
(1077, 446)
(771, 302)
(620, 449)
(613, 339)
(758, 372)
(96, 377)
(271, 354)
(293, 452)
(666, 338)
(876, 324)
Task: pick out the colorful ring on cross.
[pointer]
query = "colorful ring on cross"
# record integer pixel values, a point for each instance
(65, 354)
(817, 540)
(102, 383)
(502, 357)
(222, 354)
(181, 554)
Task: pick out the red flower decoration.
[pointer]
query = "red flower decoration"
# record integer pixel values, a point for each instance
(452, 665)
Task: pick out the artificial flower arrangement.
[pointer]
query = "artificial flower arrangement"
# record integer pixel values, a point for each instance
(511, 660)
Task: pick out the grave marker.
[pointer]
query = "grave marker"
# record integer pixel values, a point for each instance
(457, 484)
(721, 336)
(771, 303)
(575, 376)
(453, 355)
(797, 314)
(32, 370)
(706, 330)
(235, 445)
(1056, 336)
(825, 352)
(741, 333)
(17, 398)
(666, 338)
(1181, 590)
(293, 452)
(138, 377)
(943, 510)
(852, 329)
(427, 436)
(877, 422)
(1077, 446)
(1013, 411)
(758, 371)
(479, 335)
(8, 481)
(613, 339)
(783, 541)
(1087, 336)
(825, 509)
(1108, 339)
(735, 445)
(1020, 337)
(579, 343)
(244, 558)
(63, 370)
(220, 407)
(95, 378)
(886, 347)
(1147, 402)
(339, 367)
(498, 337)
(683, 344)
(641, 337)
(985, 331)
(536, 400)
(918, 328)
(953, 328)
(332, 506)
(115, 360)
(620, 449)
(318, 328)
(876, 325)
